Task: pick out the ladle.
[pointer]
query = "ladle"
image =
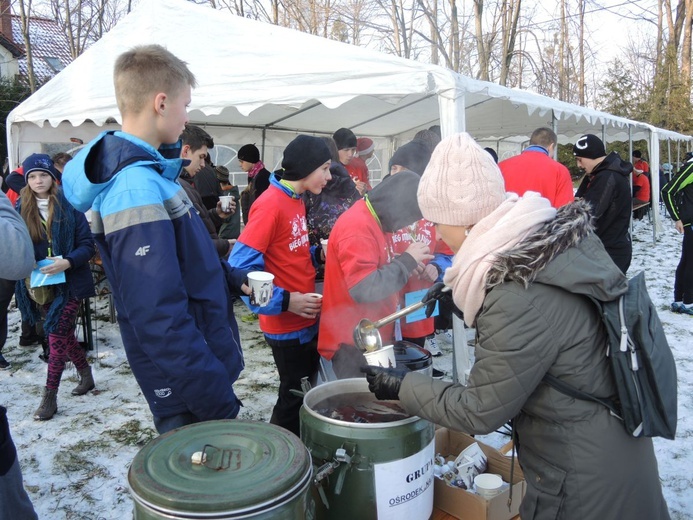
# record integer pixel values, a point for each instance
(366, 335)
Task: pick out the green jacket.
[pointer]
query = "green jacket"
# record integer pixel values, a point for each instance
(578, 460)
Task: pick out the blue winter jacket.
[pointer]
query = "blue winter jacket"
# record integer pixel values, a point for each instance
(173, 304)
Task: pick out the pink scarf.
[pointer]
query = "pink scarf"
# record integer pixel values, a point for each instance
(256, 168)
(508, 225)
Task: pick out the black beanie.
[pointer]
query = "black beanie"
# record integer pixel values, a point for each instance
(394, 201)
(303, 156)
(589, 146)
(344, 138)
(413, 155)
(249, 153)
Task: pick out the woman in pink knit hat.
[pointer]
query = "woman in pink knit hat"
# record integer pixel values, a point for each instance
(522, 274)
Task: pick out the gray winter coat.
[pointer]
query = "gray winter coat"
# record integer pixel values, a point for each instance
(578, 460)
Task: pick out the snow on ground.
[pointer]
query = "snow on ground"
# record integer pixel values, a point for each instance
(75, 465)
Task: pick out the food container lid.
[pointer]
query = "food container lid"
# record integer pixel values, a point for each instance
(411, 355)
(220, 467)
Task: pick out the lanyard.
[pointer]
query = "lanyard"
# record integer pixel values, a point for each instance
(370, 208)
(288, 187)
(48, 236)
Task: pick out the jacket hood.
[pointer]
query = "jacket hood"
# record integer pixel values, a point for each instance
(394, 201)
(564, 253)
(614, 163)
(95, 166)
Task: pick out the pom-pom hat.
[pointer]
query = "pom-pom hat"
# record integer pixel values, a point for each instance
(461, 184)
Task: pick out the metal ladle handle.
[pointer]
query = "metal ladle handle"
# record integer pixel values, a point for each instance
(368, 327)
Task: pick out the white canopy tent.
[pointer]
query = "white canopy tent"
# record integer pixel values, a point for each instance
(263, 83)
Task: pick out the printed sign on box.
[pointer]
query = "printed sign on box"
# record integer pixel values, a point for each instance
(404, 488)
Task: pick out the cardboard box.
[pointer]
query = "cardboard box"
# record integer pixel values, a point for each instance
(468, 505)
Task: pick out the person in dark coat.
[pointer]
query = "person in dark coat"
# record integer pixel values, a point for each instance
(258, 177)
(207, 185)
(195, 144)
(607, 188)
(338, 195)
(61, 234)
(523, 274)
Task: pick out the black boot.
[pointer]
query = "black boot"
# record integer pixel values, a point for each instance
(46, 352)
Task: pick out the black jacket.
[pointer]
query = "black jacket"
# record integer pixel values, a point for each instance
(677, 195)
(607, 189)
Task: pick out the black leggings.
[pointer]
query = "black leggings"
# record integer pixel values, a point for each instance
(683, 283)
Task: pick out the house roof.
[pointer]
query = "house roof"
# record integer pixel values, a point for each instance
(12, 47)
(49, 46)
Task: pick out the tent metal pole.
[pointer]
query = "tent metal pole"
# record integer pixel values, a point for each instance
(554, 127)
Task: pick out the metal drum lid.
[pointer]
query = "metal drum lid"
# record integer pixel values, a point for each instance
(412, 356)
(241, 466)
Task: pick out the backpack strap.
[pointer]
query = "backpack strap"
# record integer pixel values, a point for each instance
(571, 391)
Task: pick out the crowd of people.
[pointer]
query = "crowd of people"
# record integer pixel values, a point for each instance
(519, 249)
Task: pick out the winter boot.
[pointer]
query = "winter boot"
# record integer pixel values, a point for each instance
(49, 405)
(86, 382)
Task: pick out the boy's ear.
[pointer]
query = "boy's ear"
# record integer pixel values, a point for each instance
(160, 103)
(185, 151)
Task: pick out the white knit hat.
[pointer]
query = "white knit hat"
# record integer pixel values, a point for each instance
(461, 184)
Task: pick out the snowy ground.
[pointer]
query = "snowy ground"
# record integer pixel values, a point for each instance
(75, 466)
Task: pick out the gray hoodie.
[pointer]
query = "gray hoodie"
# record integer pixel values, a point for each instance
(17, 252)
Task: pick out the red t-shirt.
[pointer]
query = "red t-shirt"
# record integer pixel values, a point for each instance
(644, 192)
(641, 165)
(536, 171)
(357, 247)
(425, 232)
(358, 170)
(277, 228)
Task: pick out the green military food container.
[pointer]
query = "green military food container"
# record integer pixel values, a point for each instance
(371, 460)
(223, 470)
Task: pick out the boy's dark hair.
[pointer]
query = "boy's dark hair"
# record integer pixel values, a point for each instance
(637, 153)
(334, 153)
(60, 159)
(196, 138)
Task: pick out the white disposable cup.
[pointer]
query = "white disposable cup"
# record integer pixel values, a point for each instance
(385, 357)
(261, 285)
(226, 203)
(323, 243)
(488, 485)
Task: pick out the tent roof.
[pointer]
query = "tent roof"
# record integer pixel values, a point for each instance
(254, 74)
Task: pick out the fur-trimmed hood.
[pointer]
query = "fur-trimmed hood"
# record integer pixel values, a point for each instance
(565, 253)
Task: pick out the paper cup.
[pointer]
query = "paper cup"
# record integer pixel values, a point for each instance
(226, 203)
(385, 357)
(323, 243)
(261, 285)
(488, 485)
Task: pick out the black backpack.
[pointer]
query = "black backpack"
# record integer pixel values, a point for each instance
(642, 364)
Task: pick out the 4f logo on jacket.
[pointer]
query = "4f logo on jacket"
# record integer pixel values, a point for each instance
(162, 393)
(142, 251)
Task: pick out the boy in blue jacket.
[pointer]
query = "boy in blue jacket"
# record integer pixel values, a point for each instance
(173, 304)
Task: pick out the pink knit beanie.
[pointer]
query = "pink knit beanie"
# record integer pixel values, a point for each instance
(461, 185)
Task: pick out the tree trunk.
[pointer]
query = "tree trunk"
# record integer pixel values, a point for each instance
(481, 49)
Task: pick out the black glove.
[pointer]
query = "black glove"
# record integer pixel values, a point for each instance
(436, 294)
(384, 382)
